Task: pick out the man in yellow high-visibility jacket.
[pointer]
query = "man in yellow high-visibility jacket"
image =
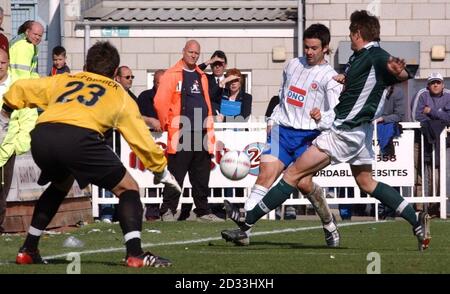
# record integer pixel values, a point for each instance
(23, 52)
(17, 139)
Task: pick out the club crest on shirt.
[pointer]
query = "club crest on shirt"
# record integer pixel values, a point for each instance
(296, 96)
(195, 89)
(314, 86)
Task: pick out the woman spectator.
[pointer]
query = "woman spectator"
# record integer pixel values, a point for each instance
(236, 105)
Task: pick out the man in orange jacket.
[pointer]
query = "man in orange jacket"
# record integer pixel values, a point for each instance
(184, 110)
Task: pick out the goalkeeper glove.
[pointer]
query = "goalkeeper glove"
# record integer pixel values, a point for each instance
(166, 178)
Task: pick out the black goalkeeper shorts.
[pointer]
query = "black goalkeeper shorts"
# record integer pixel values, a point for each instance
(61, 150)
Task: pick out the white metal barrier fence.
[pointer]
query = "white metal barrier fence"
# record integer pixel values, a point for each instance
(397, 171)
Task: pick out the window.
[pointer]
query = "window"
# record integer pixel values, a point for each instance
(21, 11)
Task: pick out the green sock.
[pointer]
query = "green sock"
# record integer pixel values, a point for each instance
(274, 198)
(392, 199)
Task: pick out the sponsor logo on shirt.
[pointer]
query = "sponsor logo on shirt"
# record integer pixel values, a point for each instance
(296, 96)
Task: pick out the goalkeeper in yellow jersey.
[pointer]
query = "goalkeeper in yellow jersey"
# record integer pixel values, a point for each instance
(68, 144)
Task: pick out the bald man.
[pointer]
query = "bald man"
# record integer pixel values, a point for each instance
(34, 33)
(125, 77)
(184, 110)
(23, 52)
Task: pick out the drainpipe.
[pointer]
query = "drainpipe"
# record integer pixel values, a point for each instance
(53, 30)
(87, 39)
(300, 6)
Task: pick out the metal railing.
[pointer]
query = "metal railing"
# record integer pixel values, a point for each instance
(226, 189)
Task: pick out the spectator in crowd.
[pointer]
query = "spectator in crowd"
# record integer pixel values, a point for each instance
(417, 148)
(23, 51)
(4, 43)
(59, 61)
(274, 101)
(67, 144)
(307, 84)
(148, 112)
(23, 56)
(235, 104)
(17, 139)
(7, 162)
(24, 27)
(349, 139)
(433, 113)
(184, 110)
(218, 63)
(388, 123)
(146, 103)
(125, 77)
(394, 105)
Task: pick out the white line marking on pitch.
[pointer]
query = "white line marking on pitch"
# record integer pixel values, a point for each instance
(194, 241)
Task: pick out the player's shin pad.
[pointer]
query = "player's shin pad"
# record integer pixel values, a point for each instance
(318, 201)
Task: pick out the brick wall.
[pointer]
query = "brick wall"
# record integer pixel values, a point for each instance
(149, 54)
(427, 21)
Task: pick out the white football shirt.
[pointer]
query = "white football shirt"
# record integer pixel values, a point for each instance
(305, 87)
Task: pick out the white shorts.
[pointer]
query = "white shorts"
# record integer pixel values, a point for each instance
(347, 146)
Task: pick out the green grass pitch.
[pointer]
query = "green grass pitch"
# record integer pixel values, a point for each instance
(280, 247)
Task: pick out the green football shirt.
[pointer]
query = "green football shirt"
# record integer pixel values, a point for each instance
(366, 78)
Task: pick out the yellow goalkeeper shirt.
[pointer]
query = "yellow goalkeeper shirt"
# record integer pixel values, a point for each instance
(89, 101)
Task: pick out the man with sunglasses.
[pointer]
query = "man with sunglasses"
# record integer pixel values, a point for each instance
(125, 78)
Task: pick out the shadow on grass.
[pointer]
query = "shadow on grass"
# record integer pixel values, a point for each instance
(108, 263)
(256, 245)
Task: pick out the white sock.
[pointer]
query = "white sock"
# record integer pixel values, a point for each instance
(35, 232)
(257, 194)
(131, 235)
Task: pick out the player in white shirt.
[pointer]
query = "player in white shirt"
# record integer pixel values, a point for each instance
(307, 84)
(308, 95)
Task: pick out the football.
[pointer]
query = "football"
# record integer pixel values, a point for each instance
(235, 165)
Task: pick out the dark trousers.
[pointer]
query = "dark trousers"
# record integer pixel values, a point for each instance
(6, 174)
(198, 165)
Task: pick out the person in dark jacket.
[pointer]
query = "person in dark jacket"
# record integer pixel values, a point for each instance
(235, 105)
(218, 64)
(433, 109)
(145, 103)
(148, 112)
(59, 61)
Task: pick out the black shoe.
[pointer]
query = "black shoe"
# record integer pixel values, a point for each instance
(332, 237)
(25, 256)
(147, 259)
(422, 231)
(234, 213)
(236, 236)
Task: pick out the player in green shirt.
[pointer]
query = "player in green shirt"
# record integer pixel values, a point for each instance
(370, 70)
